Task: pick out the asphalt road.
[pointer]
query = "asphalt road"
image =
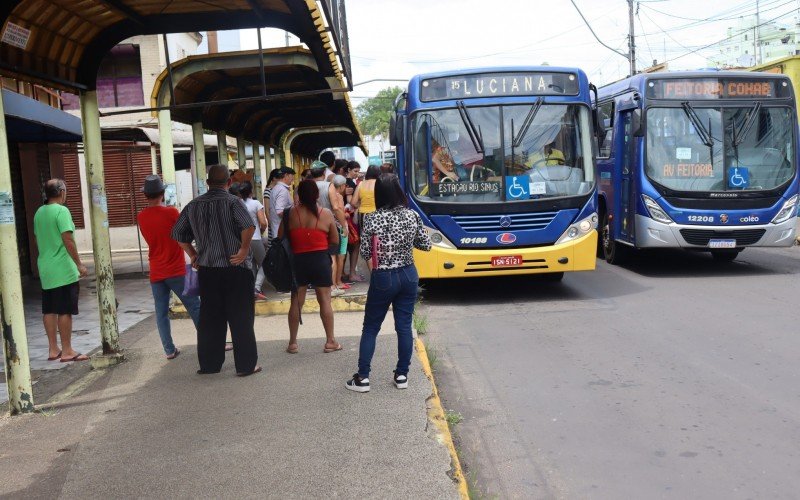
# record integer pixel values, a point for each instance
(674, 377)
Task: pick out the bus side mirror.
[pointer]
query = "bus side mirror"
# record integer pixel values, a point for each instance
(637, 126)
(599, 126)
(396, 126)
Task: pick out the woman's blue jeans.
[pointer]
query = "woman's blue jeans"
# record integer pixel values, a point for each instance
(161, 290)
(398, 288)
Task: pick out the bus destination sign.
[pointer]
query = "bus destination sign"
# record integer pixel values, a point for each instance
(715, 88)
(480, 187)
(498, 85)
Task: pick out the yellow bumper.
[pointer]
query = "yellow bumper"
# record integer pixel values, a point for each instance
(576, 255)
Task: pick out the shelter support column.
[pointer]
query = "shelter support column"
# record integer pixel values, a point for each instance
(12, 314)
(222, 148)
(267, 160)
(199, 157)
(241, 154)
(257, 172)
(101, 244)
(167, 157)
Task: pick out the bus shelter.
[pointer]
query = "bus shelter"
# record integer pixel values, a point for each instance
(294, 94)
(60, 44)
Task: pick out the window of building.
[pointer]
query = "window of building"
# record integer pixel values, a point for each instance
(119, 80)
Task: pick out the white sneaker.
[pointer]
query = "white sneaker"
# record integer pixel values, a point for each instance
(335, 292)
(400, 381)
(358, 384)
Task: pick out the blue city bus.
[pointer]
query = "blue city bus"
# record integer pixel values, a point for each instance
(499, 164)
(702, 160)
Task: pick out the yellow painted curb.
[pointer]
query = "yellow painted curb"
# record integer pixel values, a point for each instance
(436, 416)
(342, 303)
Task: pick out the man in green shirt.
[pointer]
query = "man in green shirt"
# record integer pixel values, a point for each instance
(60, 268)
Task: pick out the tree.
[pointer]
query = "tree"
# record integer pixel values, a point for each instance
(374, 113)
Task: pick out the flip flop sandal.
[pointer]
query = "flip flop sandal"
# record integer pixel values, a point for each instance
(257, 369)
(228, 346)
(293, 350)
(174, 354)
(53, 358)
(332, 349)
(76, 357)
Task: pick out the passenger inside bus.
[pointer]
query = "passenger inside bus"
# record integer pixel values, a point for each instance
(443, 164)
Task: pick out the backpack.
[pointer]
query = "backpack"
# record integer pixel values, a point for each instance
(278, 264)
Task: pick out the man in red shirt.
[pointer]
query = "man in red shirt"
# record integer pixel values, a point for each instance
(167, 264)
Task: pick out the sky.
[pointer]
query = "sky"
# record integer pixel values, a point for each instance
(400, 38)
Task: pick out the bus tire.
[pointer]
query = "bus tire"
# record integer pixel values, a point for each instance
(724, 255)
(615, 253)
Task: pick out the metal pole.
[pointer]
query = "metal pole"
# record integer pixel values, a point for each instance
(222, 147)
(12, 313)
(241, 154)
(757, 42)
(101, 244)
(631, 39)
(257, 170)
(167, 157)
(199, 157)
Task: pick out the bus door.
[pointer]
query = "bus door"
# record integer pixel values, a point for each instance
(627, 186)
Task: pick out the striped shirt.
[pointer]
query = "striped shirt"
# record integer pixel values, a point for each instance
(215, 222)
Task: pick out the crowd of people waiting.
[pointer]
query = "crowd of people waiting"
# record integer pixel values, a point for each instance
(331, 214)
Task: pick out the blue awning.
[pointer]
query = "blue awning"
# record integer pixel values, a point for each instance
(28, 120)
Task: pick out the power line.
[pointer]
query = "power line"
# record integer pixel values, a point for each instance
(595, 34)
(715, 19)
(729, 37)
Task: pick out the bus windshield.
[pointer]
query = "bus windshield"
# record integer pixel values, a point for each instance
(501, 153)
(720, 149)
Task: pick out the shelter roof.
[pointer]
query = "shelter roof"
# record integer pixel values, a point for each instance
(61, 42)
(296, 94)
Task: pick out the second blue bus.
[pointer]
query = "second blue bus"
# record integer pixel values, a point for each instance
(703, 161)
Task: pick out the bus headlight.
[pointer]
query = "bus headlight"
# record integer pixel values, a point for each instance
(437, 238)
(656, 212)
(787, 211)
(578, 229)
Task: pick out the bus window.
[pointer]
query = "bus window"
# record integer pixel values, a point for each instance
(738, 157)
(606, 111)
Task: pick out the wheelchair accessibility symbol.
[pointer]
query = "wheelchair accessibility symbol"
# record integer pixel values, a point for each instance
(738, 177)
(517, 187)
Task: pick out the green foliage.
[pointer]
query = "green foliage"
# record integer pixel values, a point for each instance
(374, 113)
(453, 417)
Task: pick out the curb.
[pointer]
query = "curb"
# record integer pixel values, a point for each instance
(437, 418)
(342, 303)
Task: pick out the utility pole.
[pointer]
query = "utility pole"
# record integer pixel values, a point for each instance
(757, 35)
(631, 40)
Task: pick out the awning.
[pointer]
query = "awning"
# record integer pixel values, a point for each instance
(61, 42)
(28, 120)
(297, 95)
(180, 138)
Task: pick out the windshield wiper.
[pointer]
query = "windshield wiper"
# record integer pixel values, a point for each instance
(475, 135)
(740, 133)
(705, 134)
(517, 141)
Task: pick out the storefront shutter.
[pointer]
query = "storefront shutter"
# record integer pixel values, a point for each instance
(75, 189)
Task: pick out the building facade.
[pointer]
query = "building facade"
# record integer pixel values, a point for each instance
(750, 43)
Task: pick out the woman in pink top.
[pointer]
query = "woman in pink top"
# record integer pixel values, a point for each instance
(311, 229)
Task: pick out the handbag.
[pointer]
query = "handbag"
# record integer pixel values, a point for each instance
(352, 233)
(191, 282)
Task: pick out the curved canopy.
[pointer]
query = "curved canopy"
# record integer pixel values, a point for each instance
(297, 95)
(61, 42)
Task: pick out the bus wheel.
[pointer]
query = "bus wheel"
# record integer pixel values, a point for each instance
(614, 253)
(725, 255)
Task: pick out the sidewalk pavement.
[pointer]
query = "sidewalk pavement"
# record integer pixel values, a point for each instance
(135, 304)
(153, 428)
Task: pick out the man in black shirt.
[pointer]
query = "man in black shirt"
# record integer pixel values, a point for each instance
(222, 230)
